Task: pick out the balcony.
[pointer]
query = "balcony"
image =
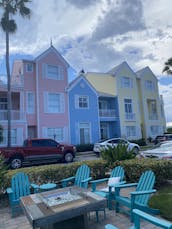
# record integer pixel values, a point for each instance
(130, 116)
(16, 115)
(107, 113)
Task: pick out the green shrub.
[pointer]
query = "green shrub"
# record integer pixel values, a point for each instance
(56, 172)
(1, 133)
(134, 168)
(117, 153)
(99, 168)
(84, 147)
(162, 200)
(3, 171)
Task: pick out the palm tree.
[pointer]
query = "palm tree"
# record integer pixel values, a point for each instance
(168, 67)
(11, 8)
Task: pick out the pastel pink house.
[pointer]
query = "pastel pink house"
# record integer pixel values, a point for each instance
(39, 100)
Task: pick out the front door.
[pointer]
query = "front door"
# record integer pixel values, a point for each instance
(31, 131)
(84, 131)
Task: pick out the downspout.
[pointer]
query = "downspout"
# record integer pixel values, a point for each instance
(37, 102)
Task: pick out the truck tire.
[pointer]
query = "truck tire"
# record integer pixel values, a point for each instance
(68, 157)
(16, 162)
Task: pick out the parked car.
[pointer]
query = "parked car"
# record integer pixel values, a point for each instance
(38, 151)
(114, 142)
(162, 138)
(161, 151)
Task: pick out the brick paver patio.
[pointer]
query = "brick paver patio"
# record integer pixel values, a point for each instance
(120, 220)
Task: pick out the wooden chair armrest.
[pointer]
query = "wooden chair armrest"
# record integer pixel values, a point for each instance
(138, 214)
(86, 180)
(143, 192)
(66, 180)
(95, 182)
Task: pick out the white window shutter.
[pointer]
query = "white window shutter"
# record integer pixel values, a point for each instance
(76, 101)
(44, 70)
(62, 103)
(61, 73)
(131, 83)
(44, 132)
(20, 136)
(45, 102)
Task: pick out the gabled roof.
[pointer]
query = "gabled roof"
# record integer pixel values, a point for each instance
(102, 82)
(144, 71)
(74, 82)
(52, 49)
(114, 71)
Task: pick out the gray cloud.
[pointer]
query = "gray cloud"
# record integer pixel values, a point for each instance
(82, 3)
(121, 18)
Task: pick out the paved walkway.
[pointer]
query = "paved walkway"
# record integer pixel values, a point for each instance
(120, 220)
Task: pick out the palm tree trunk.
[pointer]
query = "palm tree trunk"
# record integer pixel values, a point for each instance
(9, 89)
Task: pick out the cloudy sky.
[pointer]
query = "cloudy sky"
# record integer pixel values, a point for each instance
(96, 35)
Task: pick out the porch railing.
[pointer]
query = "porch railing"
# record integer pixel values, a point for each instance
(107, 113)
(15, 115)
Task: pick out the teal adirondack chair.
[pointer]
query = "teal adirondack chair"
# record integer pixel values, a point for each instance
(107, 192)
(81, 178)
(138, 215)
(20, 186)
(139, 198)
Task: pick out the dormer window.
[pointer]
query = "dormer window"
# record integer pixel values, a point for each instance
(149, 85)
(126, 82)
(29, 67)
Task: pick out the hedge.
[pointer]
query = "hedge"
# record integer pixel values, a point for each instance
(135, 167)
(56, 172)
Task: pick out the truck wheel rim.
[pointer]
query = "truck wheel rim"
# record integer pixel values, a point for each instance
(68, 157)
(16, 163)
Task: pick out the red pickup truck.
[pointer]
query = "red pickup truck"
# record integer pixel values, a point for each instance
(38, 151)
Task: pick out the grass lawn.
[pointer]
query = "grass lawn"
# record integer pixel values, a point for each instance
(163, 201)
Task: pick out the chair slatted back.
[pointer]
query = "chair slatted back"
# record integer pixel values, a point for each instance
(82, 173)
(146, 182)
(20, 185)
(117, 172)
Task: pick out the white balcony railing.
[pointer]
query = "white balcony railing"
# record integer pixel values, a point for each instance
(130, 116)
(107, 113)
(15, 115)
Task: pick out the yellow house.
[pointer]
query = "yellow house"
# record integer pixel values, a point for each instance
(141, 111)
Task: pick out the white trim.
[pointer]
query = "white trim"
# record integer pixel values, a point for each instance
(37, 101)
(33, 102)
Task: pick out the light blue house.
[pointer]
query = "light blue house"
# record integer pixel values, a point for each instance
(93, 114)
(83, 112)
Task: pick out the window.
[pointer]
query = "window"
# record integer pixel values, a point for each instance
(30, 102)
(130, 131)
(13, 137)
(53, 103)
(55, 133)
(129, 115)
(149, 85)
(84, 130)
(82, 102)
(3, 104)
(54, 72)
(29, 67)
(127, 82)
